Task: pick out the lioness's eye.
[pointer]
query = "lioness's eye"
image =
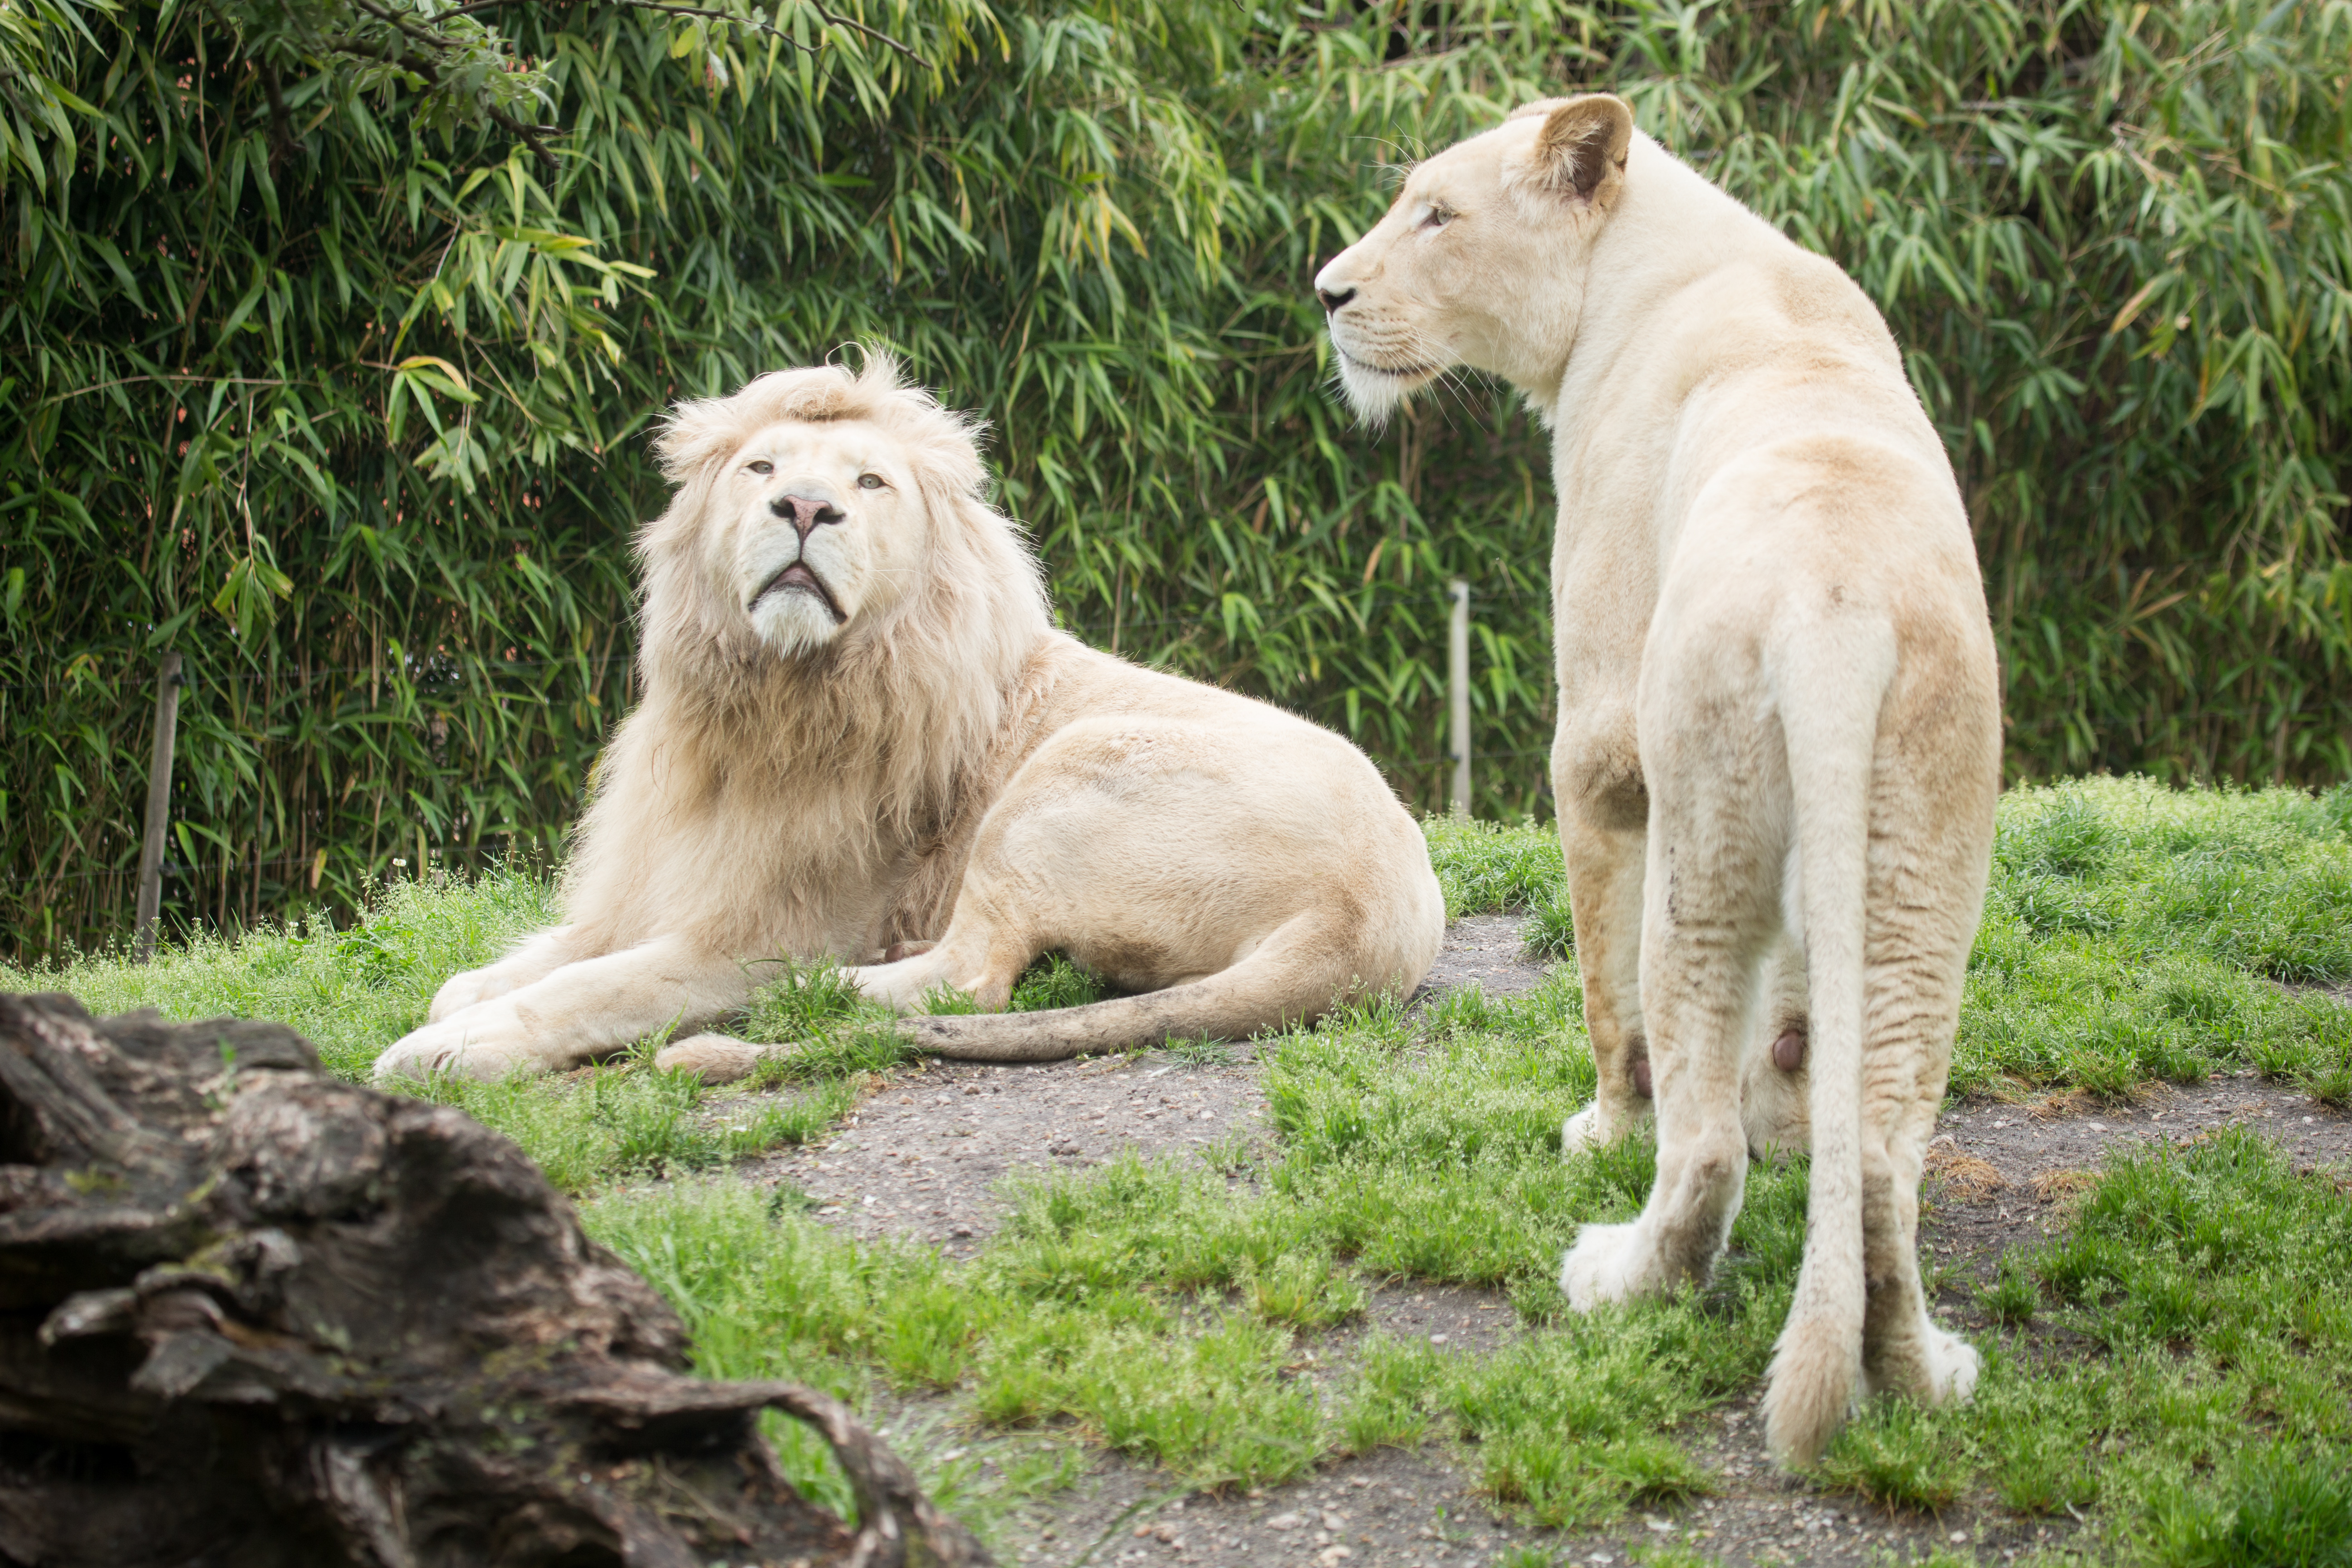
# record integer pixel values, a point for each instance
(764, 467)
(1438, 218)
(869, 481)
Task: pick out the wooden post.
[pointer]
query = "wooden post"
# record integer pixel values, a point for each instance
(159, 807)
(1457, 686)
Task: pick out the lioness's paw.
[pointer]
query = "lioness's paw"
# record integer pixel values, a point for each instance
(717, 1057)
(1581, 1131)
(1952, 1367)
(1598, 1268)
(1589, 1129)
(486, 1043)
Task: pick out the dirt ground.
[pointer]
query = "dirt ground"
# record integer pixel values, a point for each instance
(926, 1159)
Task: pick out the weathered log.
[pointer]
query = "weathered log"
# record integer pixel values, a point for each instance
(254, 1316)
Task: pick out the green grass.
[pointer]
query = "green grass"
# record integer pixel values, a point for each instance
(2174, 1365)
(2134, 932)
(2131, 933)
(2211, 1424)
(351, 992)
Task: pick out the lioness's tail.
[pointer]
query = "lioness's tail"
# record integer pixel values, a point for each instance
(1833, 678)
(1290, 978)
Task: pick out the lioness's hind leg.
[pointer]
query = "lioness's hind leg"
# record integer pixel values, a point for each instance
(1914, 1007)
(1903, 1349)
(1706, 926)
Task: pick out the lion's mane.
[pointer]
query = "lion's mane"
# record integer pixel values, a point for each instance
(747, 788)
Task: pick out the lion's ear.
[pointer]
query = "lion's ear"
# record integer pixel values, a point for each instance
(1581, 147)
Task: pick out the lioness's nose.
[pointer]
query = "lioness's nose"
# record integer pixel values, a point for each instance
(805, 513)
(1334, 298)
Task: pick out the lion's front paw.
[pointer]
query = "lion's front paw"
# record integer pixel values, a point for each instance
(1600, 1268)
(716, 1056)
(460, 991)
(487, 1043)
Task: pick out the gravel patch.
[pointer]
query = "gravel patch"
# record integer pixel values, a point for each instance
(1487, 950)
(927, 1156)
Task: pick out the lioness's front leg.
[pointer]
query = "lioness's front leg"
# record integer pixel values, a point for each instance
(1603, 839)
(586, 1009)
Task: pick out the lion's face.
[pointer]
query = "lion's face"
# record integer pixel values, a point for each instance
(813, 526)
(1477, 262)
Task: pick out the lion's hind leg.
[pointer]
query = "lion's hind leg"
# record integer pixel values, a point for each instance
(980, 957)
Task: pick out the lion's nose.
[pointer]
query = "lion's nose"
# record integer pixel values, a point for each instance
(1334, 298)
(805, 513)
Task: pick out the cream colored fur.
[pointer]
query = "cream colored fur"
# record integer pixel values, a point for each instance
(1778, 745)
(859, 733)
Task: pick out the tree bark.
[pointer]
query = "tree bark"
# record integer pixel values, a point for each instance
(254, 1316)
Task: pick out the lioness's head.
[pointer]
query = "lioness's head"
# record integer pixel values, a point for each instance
(1477, 262)
(816, 508)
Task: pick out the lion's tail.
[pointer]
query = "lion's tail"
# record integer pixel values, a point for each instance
(1293, 977)
(1833, 681)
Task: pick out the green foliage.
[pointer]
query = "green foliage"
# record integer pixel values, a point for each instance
(2011, 1300)
(836, 1034)
(1896, 1457)
(2132, 932)
(331, 375)
(1052, 981)
(2282, 1509)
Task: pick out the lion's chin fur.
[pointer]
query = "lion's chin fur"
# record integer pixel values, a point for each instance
(1377, 394)
(794, 623)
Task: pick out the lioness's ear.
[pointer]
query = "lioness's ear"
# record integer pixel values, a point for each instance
(1581, 147)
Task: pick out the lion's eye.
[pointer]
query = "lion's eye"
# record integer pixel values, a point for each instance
(764, 467)
(1438, 218)
(869, 481)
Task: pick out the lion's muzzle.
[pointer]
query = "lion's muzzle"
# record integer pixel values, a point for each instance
(799, 577)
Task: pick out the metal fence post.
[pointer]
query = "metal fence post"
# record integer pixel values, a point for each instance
(159, 807)
(1457, 682)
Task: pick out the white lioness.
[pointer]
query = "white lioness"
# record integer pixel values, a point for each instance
(1779, 736)
(861, 733)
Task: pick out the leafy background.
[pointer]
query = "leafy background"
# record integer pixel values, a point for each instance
(331, 331)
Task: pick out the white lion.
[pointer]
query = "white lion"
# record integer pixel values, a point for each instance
(1778, 747)
(860, 735)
